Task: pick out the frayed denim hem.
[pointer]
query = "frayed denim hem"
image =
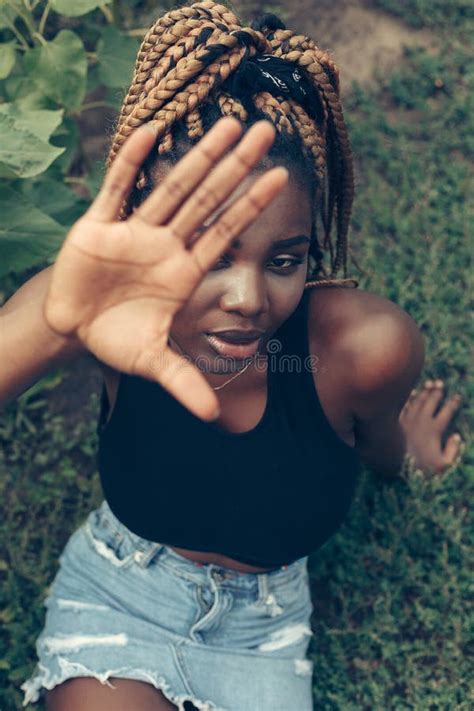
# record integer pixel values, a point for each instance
(45, 679)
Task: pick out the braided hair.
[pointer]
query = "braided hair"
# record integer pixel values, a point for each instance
(198, 63)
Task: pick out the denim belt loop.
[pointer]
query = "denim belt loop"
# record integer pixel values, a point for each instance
(144, 558)
(262, 580)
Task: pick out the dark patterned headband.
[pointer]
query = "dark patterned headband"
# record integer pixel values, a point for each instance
(279, 78)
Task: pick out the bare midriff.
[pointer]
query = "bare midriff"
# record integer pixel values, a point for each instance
(218, 559)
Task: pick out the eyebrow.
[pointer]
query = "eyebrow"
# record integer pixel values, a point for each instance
(280, 244)
(291, 242)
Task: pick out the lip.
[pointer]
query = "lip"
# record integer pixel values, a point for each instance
(232, 350)
(239, 335)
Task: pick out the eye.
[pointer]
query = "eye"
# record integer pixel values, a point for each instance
(288, 262)
(285, 264)
(218, 263)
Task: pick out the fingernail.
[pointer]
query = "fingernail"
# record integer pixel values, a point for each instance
(457, 437)
(284, 171)
(428, 383)
(439, 383)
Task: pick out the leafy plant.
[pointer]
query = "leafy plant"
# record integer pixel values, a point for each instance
(50, 62)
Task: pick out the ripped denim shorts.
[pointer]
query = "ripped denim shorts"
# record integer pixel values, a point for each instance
(205, 635)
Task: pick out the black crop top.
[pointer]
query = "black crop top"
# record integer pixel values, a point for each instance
(265, 497)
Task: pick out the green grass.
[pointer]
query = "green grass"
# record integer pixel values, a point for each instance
(436, 14)
(393, 628)
(48, 484)
(392, 624)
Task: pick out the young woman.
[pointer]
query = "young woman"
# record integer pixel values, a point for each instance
(244, 384)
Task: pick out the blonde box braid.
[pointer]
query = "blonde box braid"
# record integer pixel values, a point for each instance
(182, 69)
(285, 115)
(166, 33)
(230, 106)
(302, 51)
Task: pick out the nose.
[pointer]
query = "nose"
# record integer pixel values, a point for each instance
(245, 293)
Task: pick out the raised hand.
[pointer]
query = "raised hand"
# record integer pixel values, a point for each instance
(116, 285)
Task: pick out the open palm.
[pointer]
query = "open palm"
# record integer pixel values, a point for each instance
(117, 285)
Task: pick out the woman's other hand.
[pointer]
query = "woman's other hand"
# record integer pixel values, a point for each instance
(425, 419)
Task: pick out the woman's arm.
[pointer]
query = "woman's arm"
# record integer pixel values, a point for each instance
(387, 358)
(29, 348)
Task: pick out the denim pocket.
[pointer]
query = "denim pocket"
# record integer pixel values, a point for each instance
(109, 539)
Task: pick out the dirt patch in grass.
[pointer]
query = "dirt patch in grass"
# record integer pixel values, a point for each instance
(362, 39)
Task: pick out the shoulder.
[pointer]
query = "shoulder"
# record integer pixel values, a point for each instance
(378, 344)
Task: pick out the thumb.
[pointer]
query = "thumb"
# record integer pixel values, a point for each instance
(182, 379)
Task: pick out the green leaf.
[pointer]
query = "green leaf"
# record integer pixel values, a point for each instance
(9, 11)
(20, 88)
(93, 78)
(114, 98)
(7, 58)
(27, 235)
(55, 199)
(41, 123)
(24, 148)
(116, 54)
(95, 178)
(59, 68)
(67, 136)
(74, 8)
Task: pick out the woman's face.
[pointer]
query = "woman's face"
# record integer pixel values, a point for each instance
(256, 284)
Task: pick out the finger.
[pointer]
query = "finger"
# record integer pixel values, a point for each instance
(121, 175)
(452, 449)
(404, 411)
(420, 399)
(433, 398)
(223, 180)
(238, 217)
(409, 401)
(445, 414)
(412, 395)
(181, 379)
(162, 204)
